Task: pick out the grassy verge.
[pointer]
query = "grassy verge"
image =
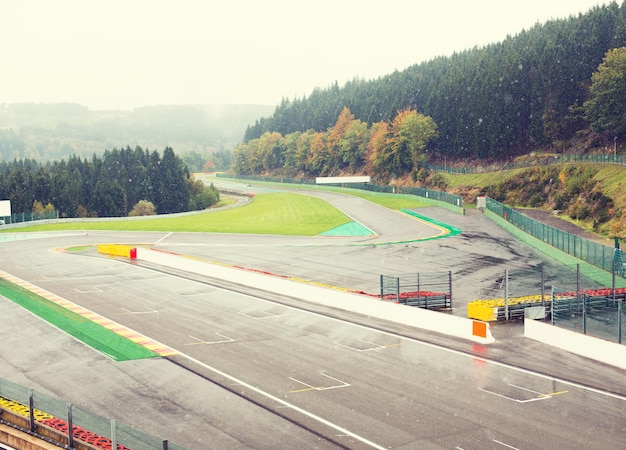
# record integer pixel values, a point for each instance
(280, 213)
(275, 213)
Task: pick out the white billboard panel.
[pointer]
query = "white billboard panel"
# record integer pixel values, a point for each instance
(341, 180)
(5, 208)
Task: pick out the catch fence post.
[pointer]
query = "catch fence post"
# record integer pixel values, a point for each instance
(450, 286)
(70, 427)
(419, 292)
(578, 284)
(31, 412)
(113, 435)
(543, 286)
(619, 321)
(506, 294)
(397, 289)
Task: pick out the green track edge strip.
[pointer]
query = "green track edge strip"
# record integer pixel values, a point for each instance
(96, 336)
(449, 230)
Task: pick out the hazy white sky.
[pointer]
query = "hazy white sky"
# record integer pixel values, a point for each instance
(122, 54)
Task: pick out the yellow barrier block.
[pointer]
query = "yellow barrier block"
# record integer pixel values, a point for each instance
(23, 410)
(127, 251)
(481, 310)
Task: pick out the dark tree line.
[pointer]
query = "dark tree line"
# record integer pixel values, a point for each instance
(517, 95)
(107, 186)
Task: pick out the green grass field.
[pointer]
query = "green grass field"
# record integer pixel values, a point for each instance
(279, 213)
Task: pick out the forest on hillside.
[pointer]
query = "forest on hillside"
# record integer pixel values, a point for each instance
(519, 95)
(108, 186)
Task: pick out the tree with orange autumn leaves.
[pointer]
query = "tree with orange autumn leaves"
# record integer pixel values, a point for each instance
(383, 150)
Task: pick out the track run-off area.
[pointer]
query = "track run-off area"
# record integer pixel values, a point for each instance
(242, 366)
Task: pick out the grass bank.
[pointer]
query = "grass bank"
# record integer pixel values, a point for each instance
(281, 213)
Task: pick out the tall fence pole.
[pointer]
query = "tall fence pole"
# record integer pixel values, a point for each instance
(450, 286)
(113, 434)
(31, 413)
(397, 289)
(419, 291)
(578, 283)
(70, 426)
(552, 305)
(584, 313)
(543, 286)
(506, 294)
(613, 278)
(619, 321)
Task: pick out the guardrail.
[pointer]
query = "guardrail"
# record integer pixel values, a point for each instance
(599, 255)
(456, 201)
(545, 160)
(49, 419)
(423, 290)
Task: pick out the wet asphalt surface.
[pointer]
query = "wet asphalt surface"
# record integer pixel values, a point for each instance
(33, 355)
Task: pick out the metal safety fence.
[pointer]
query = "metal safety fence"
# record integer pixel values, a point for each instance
(514, 292)
(30, 216)
(51, 419)
(544, 160)
(599, 255)
(423, 290)
(440, 196)
(596, 313)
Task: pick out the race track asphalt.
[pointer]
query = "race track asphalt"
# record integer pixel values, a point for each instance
(170, 398)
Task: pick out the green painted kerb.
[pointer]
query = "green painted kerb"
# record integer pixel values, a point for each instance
(96, 336)
(452, 231)
(348, 229)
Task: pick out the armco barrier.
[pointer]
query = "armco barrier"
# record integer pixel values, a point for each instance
(577, 343)
(127, 251)
(460, 327)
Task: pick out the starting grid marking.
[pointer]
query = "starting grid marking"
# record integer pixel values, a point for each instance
(129, 334)
(198, 341)
(536, 395)
(340, 384)
(370, 346)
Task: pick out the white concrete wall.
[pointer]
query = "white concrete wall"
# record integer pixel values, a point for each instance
(580, 344)
(416, 317)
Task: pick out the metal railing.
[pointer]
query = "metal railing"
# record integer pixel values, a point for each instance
(596, 315)
(545, 160)
(41, 415)
(430, 194)
(424, 290)
(594, 253)
(29, 216)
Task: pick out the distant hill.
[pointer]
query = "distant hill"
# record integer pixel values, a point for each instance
(53, 131)
(496, 101)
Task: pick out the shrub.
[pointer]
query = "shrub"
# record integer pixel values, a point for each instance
(143, 208)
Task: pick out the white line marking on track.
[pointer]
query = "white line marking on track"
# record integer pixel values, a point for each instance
(374, 346)
(200, 341)
(284, 403)
(539, 395)
(506, 445)
(342, 384)
(262, 315)
(147, 311)
(444, 349)
(163, 238)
